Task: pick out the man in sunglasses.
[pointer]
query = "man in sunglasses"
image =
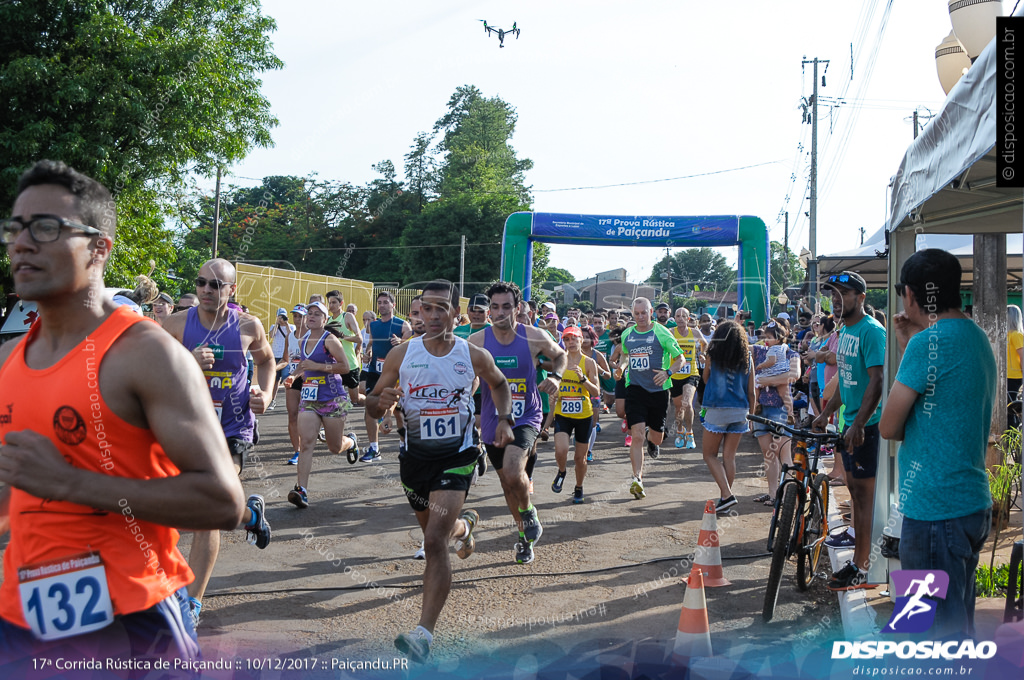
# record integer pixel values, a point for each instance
(860, 356)
(219, 337)
(98, 461)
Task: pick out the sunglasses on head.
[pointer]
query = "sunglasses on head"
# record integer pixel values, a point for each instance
(216, 284)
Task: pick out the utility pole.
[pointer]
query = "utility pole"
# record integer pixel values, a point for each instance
(216, 214)
(785, 253)
(812, 245)
(916, 128)
(862, 235)
(669, 257)
(462, 269)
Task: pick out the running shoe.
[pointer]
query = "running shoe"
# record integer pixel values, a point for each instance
(371, 455)
(532, 528)
(841, 540)
(543, 435)
(321, 435)
(577, 495)
(524, 551)
(273, 405)
(258, 533)
(194, 606)
(636, 487)
(724, 504)
(690, 444)
(294, 460)
(353, 453)
(629, 440)
(598, 426)
(481, 463)
(849, 578)
(556, 485)
(531, 487)
(680, 441)
(653, 450)
(401, 448)
(420, 554)
(625, 428)
(590, 456)
(464, 546)
(298, 498)
(414, 644)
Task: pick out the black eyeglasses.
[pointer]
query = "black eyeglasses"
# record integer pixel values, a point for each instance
(216, 284)
(42, 228)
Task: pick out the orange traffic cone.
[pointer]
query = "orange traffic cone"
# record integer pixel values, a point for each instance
(693, 638)
(708, 555)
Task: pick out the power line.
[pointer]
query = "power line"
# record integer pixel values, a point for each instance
(666, 179)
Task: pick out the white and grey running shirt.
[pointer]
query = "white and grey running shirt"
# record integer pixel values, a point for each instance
(437, 401)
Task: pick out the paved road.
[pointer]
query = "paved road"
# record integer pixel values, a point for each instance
(338, 582)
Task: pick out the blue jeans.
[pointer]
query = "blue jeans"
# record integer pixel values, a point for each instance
(951, 545)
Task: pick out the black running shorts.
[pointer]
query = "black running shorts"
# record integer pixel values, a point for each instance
(523, 437)
(646, 407)
(421, 476)
(580, 426)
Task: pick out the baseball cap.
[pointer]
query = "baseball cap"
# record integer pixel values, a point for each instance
(300, 309)
(783, 315)
(321, 306)
(573, 330)
(479, 300)
(549, 316)
(281, 311)
(164, 297)
(548, 305)
(851, 280)
(662, 305)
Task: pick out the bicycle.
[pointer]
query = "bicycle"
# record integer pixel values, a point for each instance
(799, 523)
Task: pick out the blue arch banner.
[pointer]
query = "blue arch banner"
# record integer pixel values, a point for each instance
(640, 230)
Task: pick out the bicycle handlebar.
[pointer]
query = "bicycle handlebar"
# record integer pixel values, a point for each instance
(782, 429)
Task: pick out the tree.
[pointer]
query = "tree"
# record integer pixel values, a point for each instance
(137, 95)
(877, 298)
(421, 170)
(786, 269)
(541, 257)
(703, 268)
(557, 275)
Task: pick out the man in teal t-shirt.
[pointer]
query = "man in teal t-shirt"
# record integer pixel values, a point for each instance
(860, 357)
(940, 406)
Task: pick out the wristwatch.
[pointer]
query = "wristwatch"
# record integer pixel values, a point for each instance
(552, 374)
(508, 416)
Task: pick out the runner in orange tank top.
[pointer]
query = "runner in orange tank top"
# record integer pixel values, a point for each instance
(97, 461)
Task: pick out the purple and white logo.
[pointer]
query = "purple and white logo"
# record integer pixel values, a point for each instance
(915, 612)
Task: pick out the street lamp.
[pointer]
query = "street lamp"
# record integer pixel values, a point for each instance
(974, 23)
(951, 62)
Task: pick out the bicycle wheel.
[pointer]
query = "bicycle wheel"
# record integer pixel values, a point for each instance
(784, 523)
(814, 530)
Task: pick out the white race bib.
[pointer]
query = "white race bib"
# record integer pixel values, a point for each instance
(639, 362)
(439, 423)
(218, 406)
(65, 597)
(379, 366)
(309, 392)
(518, 407)
(572, 406)
(293, 367)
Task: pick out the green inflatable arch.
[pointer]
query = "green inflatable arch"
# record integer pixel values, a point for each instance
(749, 233)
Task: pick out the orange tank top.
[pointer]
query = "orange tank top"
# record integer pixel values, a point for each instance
(63, 402)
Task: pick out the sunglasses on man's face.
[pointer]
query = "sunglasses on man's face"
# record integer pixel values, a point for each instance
(216, 284)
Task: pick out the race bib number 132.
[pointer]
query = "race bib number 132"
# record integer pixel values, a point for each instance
(65, 597)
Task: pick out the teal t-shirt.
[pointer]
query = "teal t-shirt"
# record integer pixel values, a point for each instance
(604, 344)
(466, 330)
(861, 346)
(942, 458)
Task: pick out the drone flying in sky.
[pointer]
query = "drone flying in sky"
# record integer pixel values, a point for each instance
(501, 32)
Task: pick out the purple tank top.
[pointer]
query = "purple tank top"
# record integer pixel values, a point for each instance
(227, 380)
(317, 385)
(516, 362)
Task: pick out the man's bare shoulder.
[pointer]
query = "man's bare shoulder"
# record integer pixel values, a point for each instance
(175, 324)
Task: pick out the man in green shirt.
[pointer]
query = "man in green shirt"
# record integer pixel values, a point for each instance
(664, 314)
(351, 339)
(477, 312)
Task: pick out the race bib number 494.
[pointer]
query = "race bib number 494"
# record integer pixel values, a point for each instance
(65, 597)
